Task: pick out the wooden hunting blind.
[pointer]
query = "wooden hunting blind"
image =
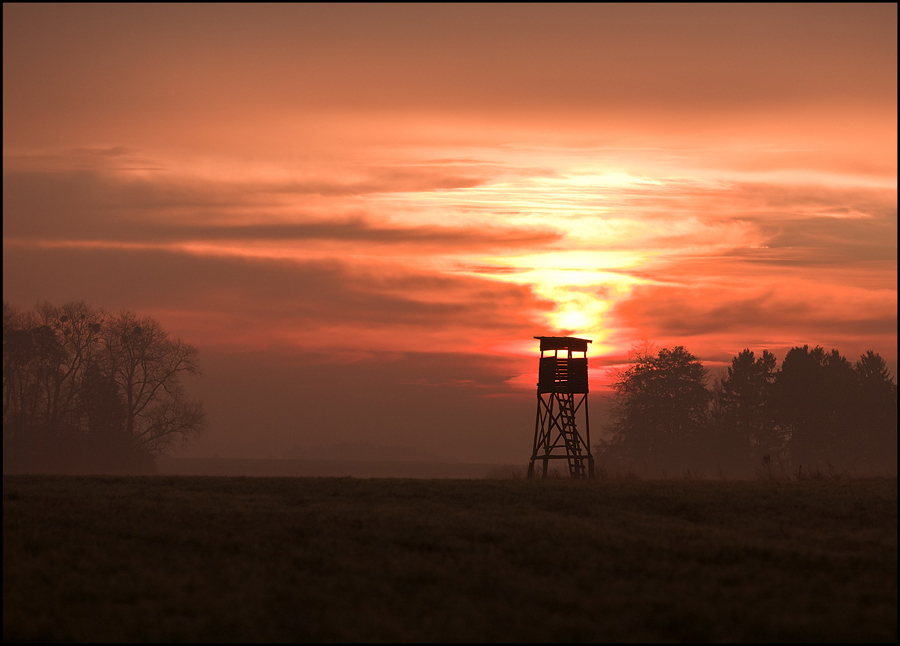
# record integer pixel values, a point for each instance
(562, 392)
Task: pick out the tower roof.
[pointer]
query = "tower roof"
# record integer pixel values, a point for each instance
(563, 343)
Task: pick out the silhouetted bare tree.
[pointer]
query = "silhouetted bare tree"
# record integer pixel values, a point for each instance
(147, 367)
(82, 386)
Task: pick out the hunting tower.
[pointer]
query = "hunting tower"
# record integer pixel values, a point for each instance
(562, 392)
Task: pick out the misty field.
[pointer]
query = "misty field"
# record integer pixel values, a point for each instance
(340, 559)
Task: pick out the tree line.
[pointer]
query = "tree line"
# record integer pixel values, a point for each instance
(86, 391)
(818, 412)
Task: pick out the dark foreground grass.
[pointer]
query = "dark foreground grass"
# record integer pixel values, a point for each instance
(296, 559)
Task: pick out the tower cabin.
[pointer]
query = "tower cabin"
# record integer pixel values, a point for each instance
(559, 371)
(562, 391)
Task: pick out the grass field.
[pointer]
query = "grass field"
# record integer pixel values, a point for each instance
(295, 559)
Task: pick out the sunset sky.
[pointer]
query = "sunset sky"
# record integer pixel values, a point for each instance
(362, 215)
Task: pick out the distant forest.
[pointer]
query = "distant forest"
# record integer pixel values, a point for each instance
(88, 391)
(818, 413)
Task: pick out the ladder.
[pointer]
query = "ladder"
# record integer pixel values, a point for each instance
(570, 436)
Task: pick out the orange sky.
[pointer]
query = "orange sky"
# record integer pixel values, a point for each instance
(362, 215)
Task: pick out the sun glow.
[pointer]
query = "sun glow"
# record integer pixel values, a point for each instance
(581, 279)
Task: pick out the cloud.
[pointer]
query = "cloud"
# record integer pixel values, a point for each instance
(379, 180)
(276, 302)
(95, 206)
(717, 319)
(685, 311)
(688, 225)
(95, 159)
